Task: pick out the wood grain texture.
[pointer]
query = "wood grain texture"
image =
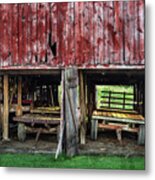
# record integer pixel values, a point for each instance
(85, 34)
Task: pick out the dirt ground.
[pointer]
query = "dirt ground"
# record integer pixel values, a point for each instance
(106, 144)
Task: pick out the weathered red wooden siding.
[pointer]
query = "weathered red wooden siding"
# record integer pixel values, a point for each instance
(87, 34)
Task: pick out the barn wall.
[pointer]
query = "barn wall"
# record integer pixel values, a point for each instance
(86, 34)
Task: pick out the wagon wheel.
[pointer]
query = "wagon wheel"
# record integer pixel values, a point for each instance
(21, 132)
(141, 135)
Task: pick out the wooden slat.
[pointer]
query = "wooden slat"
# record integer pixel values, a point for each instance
(100, 13)
(86, 33)
(15, 34)
(118, 110)
(41, 28)
(72, 33)
(119, 103)
(117, 92)
(24, 31)
(141, 9)
(1, 60)
(29, 53)
(118, 34)
(19, 98)
(117, 98)
(5, 34)
(106, 44)
(135, 33)
(111, 33)
(6, 108)
(78, 32)
(95, 34)
(37, 118)
(118, 115)
(34, 33)
(20, 37)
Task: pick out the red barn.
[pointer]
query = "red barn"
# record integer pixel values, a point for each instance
(87, 42)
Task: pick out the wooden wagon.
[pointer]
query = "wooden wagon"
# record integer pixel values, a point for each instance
(39, 120)
(118, 121)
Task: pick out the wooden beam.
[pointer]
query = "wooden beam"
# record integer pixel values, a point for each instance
(19, 97)
(82, 108)
(62, 122)
(6, 108)
(71, 106)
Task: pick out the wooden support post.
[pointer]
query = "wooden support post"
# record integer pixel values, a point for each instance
(6, 108)
(19, 97)
(55, 94)
(141, 135)
(136, 97)
(94, 129)
(82, 108)
(71, 106)
(90, 102)
(62, 122)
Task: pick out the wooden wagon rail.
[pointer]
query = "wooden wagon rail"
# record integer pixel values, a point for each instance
(46, 110)
(119, 100)
(39, 119)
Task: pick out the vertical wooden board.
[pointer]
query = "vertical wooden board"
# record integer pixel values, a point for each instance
(9, 27)
(135, 36)
(91, 34)
(24, 31)
(141, 5)
(125, 29)
(0, 37)
(47, 8)
(81, 28)
(86, 35)
(77, 39)
(71, 103)
(118, 32)
(15, 32)
(60, 32)
(70, 34)
(48, 33)
(29, 52)
(41, 29)
(33, 33)
(82, 110)
(5, 34)
(100, 32)
(130, 39)
(95, 32)
(6, 107)
(66, 30)
(78, 32)
(55, 30)
(96, 27)
(20, 35)
(106, 35)
(111, 32)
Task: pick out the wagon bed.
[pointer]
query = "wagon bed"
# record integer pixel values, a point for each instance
(39, 120)
(120, 121)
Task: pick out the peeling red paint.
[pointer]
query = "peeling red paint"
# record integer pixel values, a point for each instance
(87, 34)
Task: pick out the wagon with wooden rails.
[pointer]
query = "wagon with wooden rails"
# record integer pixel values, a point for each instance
(121, 118)
(39, 120)
(118, 121)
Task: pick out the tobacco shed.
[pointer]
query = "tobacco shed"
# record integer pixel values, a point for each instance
(48, 50)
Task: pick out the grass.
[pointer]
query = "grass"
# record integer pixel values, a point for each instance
(81, 162)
